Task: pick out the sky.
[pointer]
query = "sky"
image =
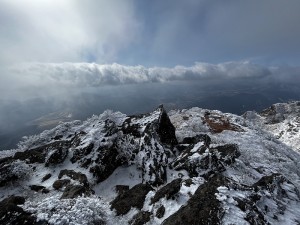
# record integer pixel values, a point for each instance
(150, 33)
(82, 57)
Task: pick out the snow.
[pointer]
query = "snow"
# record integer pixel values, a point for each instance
(259, 149)
(265, 149)
(121, 176)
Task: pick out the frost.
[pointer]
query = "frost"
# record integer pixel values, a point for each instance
(79, 211)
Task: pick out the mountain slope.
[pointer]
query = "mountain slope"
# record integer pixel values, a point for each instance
(192, 166)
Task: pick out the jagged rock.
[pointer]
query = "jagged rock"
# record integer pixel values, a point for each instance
(160, 212)
(120, 189)
(36, 155)
(166, 130)
(202, 207)
(269, 182)
(12, 170)
(46, 177)
(58, 155)
(150, 137)
(129, 128)
(140, 218)
(58, 184)
(228, 153)
(12, 214)
(276, 188)
(167, 191)
(199, 160)
(198, 138)
(273, 115)
(106, 162)
(73, 191)
(6, 175)
(80, 153)
(74, 175)
(134, 197)
(39, 188)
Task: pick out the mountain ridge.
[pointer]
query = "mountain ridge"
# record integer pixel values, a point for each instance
(194, 166)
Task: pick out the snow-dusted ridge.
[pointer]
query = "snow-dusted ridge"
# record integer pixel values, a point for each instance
(193, 166)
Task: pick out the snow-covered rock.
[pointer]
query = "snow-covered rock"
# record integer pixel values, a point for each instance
(193, 166)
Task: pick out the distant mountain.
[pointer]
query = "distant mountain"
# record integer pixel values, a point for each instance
(191, 166)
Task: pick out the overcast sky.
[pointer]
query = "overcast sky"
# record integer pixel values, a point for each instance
(150, 33)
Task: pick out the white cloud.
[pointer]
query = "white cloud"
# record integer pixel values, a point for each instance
(43, 79)
(91, 74)
(68, 30)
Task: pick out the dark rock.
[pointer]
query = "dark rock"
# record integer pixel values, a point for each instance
(202, 207)
(39, 188)
(12, 214)
(120, 189)
(272, 115)
(166, 130)
(134, 197)
(253, 214)
(140, 218)
(80, 153)
(6, 175)
(73, 191)
(198, 138)
(269, 182)
(132, 129)
(39, 154)
(74, 175)
(58, 184)
(167, 191)
(188, 182)
(107, 162)
(46, 177)
(228, 153)
(36, 155)
(57, 156)
(58, 137)
(160, 212)
(206, 163)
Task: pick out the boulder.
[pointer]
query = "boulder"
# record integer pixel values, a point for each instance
(198, 138)
(202, 207)
(73, 191)
(167, 191)
(46, 177)
(74, 175)
(134, 197)
(160, 212)
(36, 155)
(140, 218)
(58, 184)
(39, 188)
(12, 214)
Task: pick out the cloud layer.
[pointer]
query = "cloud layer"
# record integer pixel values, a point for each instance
(46, 78)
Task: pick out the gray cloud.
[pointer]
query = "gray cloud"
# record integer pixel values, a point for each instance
(93, 75)
(182, 32)
(151, 33)
(69, 30)
(44, 79)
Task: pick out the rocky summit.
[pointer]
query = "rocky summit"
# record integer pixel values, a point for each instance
(193, 166)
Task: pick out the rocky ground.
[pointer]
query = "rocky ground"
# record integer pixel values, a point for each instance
(192, 166)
